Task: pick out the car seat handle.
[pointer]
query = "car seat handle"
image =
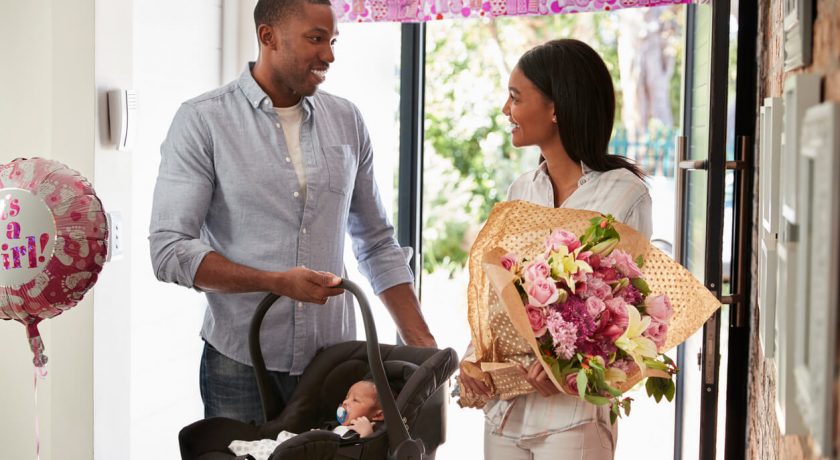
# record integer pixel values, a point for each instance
(397, 431)
(401, 446)
(270, 403)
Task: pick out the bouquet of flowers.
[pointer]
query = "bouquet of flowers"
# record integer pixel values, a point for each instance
(593, 315)
(588, 297)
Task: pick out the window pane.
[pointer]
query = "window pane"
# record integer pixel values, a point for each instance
(371, 80)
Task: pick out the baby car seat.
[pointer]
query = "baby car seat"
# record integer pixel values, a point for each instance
(415, 422)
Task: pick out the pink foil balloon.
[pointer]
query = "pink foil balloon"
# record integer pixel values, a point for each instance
(53, 242)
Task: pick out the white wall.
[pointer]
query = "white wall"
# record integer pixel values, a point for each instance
(113, 298)
(177, 56)
(46, 109)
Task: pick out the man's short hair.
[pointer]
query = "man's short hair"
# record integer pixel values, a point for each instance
(272, 12)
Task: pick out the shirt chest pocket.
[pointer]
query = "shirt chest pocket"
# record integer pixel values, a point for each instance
(341, 167)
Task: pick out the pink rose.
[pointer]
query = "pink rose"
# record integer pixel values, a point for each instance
(537, 270)
(594, 306)
(509, 261)
(542, 292)
(657, 332)
(536, 317)
(596, 287)
(659, 308)
(562, 238)
(624, 263)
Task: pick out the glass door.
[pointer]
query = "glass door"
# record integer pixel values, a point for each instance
(712, 182)
(691, 246)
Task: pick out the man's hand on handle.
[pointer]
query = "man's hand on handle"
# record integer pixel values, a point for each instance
(218, 274)
(307, 285)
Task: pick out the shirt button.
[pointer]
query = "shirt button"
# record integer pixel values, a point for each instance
(288, 159)
(300, 304)
(296, 194)
(304, 231)
(277, 125)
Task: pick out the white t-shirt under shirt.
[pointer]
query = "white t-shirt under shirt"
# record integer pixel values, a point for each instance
(618, 192)
(290, 119)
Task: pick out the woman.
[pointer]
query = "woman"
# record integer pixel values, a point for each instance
(561, 99)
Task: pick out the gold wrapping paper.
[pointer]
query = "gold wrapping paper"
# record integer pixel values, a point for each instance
(501, 334)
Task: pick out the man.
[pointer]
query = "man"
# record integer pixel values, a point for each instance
(259, 181)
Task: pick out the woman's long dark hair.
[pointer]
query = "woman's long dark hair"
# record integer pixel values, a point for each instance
(575, 78)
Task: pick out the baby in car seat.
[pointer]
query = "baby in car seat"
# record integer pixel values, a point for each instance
(356, 416)
(359, 410)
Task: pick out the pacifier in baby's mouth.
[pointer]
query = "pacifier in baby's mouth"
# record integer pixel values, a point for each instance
(341, 415)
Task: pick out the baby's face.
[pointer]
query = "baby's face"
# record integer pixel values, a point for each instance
(361, 402)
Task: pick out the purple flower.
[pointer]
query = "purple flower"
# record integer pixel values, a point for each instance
(598, 346)
(563, 334)
(631, 295)
(575, 311)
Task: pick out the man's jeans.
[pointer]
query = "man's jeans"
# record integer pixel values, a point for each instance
(229, 388)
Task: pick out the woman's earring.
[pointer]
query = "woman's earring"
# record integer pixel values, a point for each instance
(554, 119)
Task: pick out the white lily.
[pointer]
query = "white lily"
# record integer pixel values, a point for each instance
(564, 264)
(632, 341)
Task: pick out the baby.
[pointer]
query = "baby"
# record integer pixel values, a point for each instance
(360, 409)
(357, 414)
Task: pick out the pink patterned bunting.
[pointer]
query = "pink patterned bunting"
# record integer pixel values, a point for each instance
(435, 10)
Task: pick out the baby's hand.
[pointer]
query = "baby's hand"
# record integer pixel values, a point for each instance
(362, 425)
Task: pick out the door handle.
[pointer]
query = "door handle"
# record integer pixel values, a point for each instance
(740, 253)
(693, 165)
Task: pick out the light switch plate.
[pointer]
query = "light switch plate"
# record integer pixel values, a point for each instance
(115, 236)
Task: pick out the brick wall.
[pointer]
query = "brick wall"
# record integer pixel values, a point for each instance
(764, 439)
